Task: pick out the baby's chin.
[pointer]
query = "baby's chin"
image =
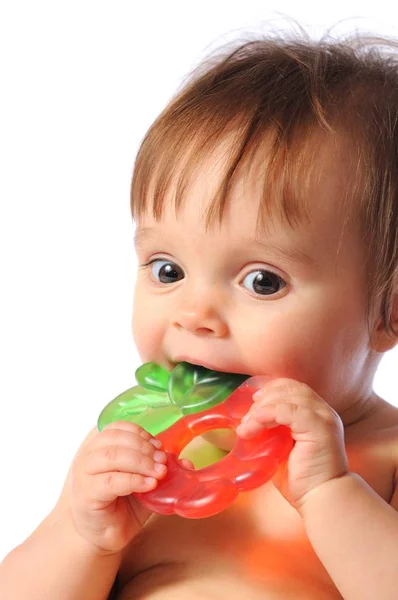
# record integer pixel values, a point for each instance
(221, 438)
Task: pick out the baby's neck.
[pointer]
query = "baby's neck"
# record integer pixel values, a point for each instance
(360, 410)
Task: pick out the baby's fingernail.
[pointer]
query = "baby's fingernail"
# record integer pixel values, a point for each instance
(159, 467)
(245, 418)
(241, 430)
(156, 443)
(159, 456)
(257, 394)
(150, 480)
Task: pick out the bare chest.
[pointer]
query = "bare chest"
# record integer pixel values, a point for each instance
(255, 549)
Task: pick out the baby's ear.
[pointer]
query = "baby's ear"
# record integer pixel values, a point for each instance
(381, 340)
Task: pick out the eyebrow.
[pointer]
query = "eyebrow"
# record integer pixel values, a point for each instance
(295, 255)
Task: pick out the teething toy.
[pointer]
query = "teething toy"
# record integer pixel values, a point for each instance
(195, 400)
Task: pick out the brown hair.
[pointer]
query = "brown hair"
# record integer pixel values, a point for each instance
(296, 89)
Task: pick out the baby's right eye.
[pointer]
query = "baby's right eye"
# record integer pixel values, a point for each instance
(166, 271)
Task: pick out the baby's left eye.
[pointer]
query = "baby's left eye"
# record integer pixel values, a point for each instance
(263, 283)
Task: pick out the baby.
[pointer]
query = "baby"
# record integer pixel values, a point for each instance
(265, 198)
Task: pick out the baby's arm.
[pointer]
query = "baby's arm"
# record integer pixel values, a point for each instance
(355, 534)
(54, 563)
(76, 552)
(352, 529)
(55, 558)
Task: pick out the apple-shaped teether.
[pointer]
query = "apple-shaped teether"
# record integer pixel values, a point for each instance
(179, 405)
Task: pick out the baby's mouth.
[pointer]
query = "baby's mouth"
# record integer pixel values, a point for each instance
(206, 365)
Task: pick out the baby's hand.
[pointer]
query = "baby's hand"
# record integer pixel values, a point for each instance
(318, 454)
(123, 458)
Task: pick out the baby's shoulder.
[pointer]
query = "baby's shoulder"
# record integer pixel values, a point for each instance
(386, 440)
(381, 431)
(372, 448)
(381, 425)
(385, 424)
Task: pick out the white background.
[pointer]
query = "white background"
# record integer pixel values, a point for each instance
(80, 84)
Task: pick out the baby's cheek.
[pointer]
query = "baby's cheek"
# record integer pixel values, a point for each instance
(294, 350)
(148, 340)
(279, 350)
(147, 331)
(313, 348)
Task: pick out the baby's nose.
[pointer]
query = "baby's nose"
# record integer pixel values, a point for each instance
(201, 320)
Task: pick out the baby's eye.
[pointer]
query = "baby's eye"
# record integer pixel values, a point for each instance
(166, 271)
(263, 282)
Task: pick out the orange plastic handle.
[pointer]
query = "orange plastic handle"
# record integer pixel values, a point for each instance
(205, 492)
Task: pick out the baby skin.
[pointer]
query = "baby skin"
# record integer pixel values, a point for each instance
(289, 304)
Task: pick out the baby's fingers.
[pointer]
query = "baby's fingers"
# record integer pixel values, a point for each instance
(186, 463)
(106, 487)
(304, 422)
(127, 460)
(256, 420)
(125, 434)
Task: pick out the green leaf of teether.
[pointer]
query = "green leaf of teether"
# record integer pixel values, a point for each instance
(131, 403)
(153, 376)
(193, 388)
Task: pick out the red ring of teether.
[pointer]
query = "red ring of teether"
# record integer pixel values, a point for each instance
(208, 491)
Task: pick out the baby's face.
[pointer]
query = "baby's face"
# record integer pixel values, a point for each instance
(287, 303)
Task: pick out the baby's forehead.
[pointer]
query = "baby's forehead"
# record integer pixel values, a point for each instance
(305, 189)
(306, 212)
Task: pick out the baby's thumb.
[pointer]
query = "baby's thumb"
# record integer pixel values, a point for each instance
(187, 464)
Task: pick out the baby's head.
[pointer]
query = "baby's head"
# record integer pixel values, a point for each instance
(266, 202)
